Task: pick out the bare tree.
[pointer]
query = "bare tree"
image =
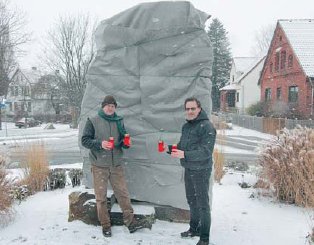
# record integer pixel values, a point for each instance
(263, 39)
(48, 87)
(12, 36)
(71, 50)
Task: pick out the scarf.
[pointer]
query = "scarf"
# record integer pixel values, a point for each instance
(113, 118)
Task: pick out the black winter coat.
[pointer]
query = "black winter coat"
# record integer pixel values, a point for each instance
(197, 141)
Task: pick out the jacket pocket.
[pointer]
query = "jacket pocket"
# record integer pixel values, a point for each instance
(92, 156)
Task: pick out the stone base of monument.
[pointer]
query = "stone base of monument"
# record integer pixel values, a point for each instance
(172, 214)
(82, 206)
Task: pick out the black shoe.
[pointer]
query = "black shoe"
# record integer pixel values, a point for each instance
(200, 242)
(106, 232)
(138, 224)
(190, 233)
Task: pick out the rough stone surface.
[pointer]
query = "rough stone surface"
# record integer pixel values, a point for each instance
(172, 214)
(82, 206)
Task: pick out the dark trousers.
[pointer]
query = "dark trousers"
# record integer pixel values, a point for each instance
(196, 189)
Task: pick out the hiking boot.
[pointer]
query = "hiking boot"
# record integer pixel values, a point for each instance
(106, 232)
(200, 242)
(138, 224)
(190, 233)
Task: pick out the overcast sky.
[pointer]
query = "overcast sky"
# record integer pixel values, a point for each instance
(241, 18)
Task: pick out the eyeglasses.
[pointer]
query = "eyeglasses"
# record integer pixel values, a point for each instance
(191, 109)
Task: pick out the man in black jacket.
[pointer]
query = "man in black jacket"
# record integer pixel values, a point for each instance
(195, 151)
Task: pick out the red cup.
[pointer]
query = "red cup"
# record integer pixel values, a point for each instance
(161, 146)
(174, 147)
(126, 140)
(111, 140)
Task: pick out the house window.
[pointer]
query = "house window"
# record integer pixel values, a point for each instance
(29, 106)
(237, 97)
(278, 95)
(10, 106)
(16, 106)
(283, 60)
(277, 62)
(293, 94)
(25, 90)
(232, 78)
(271, 67)
(290, 60)
(16, 90)
(280, 38)
(267, 94)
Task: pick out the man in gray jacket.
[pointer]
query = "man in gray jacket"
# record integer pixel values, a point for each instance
(106, 161)
(195, 151)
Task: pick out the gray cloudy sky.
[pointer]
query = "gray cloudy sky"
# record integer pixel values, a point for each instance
(241, 18)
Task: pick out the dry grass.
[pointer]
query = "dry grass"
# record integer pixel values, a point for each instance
(6, 200)
(219, 165)
(35, 167)
(219, 123)
(219, 157)
(288, 166)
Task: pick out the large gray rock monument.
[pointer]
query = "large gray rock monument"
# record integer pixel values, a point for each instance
(151, 57)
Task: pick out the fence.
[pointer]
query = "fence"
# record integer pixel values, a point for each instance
(264, 124)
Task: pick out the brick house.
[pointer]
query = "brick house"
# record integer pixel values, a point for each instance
(287, 77)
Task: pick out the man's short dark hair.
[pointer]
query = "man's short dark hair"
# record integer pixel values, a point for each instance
(198, 103)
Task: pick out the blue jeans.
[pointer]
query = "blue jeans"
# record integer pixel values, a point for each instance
(196, 189)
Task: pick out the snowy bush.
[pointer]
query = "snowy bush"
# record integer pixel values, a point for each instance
(288, 166)
(76, 176)
(56, 179)
(19, 192)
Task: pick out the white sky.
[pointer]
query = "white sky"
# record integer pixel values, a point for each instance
(241, 18)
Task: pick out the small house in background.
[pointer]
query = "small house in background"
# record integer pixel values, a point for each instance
(31, 94)
(19, 100)
(287, 79)
(242, 89)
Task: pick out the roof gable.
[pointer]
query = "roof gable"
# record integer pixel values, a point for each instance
(242, 64)
(30, 76)
(300, 34)
(251, 68)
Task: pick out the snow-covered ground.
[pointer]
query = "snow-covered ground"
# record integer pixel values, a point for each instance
(236, 219)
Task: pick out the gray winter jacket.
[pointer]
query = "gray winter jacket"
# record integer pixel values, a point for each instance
(197, 141)
(96, 130)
